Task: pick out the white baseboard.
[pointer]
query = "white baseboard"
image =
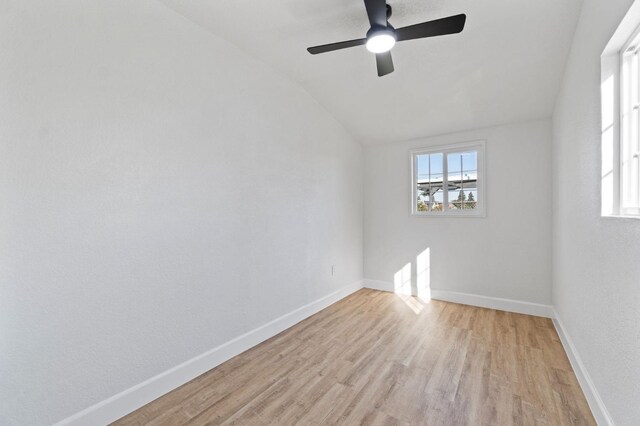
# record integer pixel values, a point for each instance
(378, 285)
(596, 404)
(500, 304)
(133, 398)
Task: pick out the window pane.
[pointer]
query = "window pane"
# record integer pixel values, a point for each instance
(463, 180)
(436, 179)
(422, 189)
(429, 196)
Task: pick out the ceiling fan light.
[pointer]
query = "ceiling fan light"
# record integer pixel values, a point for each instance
(381, 42)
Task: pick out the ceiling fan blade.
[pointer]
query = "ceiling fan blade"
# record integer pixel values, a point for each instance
(384, 63)
(377, 12)
(451, 25)
(336, 46)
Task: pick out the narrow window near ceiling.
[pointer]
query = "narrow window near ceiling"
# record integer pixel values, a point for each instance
(449, 180)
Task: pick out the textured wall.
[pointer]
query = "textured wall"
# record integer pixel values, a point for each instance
(160, 194)
(596, 273)
(507, 254)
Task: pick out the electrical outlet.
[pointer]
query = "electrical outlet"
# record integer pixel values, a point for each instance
(333, 270)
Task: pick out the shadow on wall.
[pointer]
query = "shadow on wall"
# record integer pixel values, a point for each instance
(403, 282)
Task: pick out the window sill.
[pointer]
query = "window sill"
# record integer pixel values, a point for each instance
(451, 215)
(619, 216)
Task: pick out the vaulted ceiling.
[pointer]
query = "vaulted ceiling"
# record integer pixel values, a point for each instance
(506, 66)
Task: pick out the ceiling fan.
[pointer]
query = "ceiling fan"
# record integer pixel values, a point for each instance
(381, 37)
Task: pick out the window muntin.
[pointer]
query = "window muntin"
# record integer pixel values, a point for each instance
(447, 180)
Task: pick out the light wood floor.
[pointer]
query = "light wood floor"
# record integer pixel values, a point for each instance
(383, 359)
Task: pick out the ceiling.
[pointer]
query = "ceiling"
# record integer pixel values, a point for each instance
(506, 66)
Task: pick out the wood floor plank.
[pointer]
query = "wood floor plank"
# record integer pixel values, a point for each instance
(384, 359)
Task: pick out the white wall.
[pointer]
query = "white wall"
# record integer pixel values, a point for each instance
(596, 273)
(160, 194)
(506, 254)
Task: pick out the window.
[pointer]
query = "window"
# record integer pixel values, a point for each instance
(620, 125)
(448, 180)
(629, 131)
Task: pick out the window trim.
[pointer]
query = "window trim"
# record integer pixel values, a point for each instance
(477, 145)
(620, 141)
(611, 123)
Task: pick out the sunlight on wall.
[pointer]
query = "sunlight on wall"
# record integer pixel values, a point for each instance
(402, 280)
(423, 275)
(608, 184)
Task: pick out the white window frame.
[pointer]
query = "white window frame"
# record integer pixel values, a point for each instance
(480, 147)
(629, 135)
(614, 138)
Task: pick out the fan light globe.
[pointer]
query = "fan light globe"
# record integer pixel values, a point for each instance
(381, 42)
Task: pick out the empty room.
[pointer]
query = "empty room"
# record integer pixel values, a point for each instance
(303, 212)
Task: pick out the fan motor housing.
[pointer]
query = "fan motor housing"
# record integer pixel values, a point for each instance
(373, 31)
